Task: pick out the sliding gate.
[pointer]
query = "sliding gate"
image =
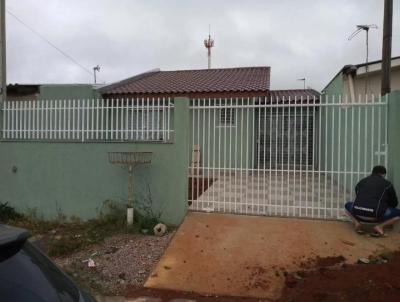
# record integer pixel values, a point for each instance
(296, 157)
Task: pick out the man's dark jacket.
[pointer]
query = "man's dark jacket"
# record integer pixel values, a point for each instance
(374, 194)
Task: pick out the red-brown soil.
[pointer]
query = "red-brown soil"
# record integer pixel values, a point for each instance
(329, 261)
(322, 279)
(377, 281)
(197, 186)
(167, 295)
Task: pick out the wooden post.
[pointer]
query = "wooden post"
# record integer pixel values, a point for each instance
(3, 70)
(130, 197)
(387, 47)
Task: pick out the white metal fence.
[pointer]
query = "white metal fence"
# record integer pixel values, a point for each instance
(296, 157)
(144, 119)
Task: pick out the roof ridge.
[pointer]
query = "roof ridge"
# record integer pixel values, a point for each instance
(137, 77)
(209, 69)
(300, 89)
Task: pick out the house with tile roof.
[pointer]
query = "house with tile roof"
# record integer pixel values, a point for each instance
(225, 87)
(221, 135)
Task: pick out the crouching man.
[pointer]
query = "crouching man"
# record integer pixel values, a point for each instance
(375, 202)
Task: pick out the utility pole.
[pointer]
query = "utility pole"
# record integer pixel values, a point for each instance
(3, 70)
(387, 46)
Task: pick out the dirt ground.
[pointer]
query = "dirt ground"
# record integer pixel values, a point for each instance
(376, 281)
(219, 254)
(327, 279)
(169, 295)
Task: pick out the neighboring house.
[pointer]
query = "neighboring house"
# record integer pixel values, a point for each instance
(32, 92)
(353, 81)
(225, 88)
(358, 84)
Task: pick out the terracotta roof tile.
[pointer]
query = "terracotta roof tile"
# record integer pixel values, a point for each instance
(193, 81)
(292, 95)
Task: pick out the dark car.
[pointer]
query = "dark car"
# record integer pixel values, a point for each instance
(27, 275)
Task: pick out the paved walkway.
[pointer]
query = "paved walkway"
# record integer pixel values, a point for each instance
(238, 255)
(303, 194)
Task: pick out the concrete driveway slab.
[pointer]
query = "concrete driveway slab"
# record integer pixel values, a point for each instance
(238, 255)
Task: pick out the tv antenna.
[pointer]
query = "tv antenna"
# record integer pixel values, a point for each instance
(96, 68)
(304, 82)
(366, 28)
(209, 43)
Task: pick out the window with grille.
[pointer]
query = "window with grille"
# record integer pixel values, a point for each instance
(146, 125)
(227, 117)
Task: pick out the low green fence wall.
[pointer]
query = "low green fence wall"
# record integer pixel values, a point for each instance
(76, 178)
(394, 140)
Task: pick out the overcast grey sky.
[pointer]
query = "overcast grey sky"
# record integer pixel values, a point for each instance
(297, 39)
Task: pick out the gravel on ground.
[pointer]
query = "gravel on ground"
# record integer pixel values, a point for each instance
(120, 261)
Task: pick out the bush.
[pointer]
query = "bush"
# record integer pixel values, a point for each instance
(8, 213)
(146, 222)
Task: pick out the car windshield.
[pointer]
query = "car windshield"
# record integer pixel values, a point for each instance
(30, 276)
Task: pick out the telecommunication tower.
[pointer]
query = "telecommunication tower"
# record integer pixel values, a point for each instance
(209, 43)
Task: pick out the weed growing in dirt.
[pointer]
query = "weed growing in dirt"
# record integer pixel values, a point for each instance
(62, 237)
(7, 212)
(145, 216)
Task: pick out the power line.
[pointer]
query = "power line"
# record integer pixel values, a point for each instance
(50, 43)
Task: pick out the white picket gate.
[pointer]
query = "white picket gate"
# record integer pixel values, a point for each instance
(297, 157)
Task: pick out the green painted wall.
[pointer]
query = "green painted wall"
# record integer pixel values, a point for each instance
(224, 146)
(394, 140)
(76, 177)
(335, 87)
(67, 91)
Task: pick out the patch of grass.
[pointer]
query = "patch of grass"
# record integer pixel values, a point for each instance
(62, 236)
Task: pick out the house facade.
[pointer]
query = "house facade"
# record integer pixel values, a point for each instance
(220, 139)
(232, 92)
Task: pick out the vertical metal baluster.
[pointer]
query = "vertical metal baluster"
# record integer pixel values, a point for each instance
(314, 138)
(289, 116)
(58, 132)
(320, 108)
(74, 125)
(295, 141)
(24, 117)
(29, 109)
(338, 202)
(64, 127)
(333, 125)
(345, 152)
(200, 204)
